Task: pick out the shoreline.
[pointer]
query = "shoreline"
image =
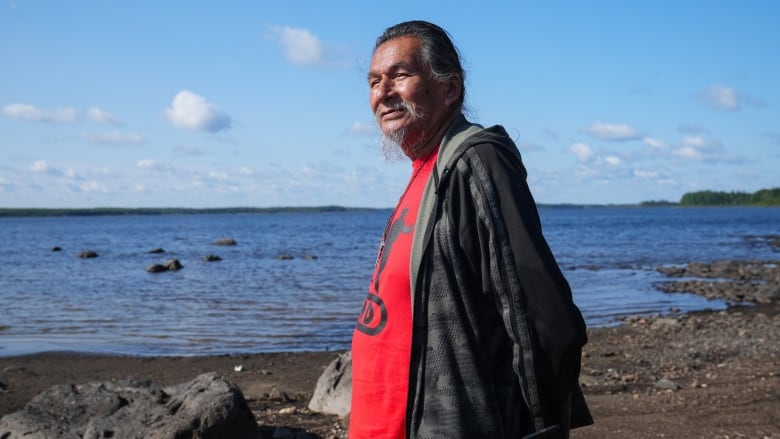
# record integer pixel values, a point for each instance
(704, 374)
(712, 374)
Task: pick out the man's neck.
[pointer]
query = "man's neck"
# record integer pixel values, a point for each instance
(429, 142)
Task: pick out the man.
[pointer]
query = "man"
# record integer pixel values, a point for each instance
(469, 329)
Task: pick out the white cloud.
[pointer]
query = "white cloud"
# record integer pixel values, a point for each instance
(608, 131)
(39, 166)
(691, 148)
(720, 97)
(98, 115)
(362, 129)
(147, 164)
(655, 143)
(191, 111)
(114, 138)
(645, 174)
(613, 160)
(43, 167)
(300, 46)
(223, 176)
(694, 141)
(688, 152)
(30, 112)
(582, 151)
(94, 186)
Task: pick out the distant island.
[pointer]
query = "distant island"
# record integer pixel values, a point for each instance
(763, 197)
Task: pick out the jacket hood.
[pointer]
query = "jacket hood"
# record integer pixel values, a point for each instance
(461, 136)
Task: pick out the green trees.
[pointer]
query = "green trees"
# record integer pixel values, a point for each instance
(763, 197)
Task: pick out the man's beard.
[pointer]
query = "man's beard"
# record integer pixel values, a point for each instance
(394, 144)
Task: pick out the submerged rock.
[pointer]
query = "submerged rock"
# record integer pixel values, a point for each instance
(169, 265)
(156, 268)
(212, 258)
(157, 250)
(734, 281)
(173, 265)
(87, 254)
(225, 241)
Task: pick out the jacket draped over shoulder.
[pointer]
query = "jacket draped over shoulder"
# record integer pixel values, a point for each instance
(497, 339)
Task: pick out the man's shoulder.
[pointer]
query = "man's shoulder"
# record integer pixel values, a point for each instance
(464, 135)
(491, 148)
(491, 142)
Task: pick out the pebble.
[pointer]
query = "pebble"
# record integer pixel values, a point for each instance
(664, 383)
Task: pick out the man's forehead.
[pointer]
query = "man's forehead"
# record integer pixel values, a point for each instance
(395, 54)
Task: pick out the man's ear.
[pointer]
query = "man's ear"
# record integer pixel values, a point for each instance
(452, 90)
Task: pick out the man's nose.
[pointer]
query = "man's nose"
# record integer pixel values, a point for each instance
(385, 88)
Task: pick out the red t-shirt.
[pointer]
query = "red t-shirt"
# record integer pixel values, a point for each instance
(381, 344)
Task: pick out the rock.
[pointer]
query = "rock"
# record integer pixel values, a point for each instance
(333, 393)
(278, 395)
(156, 268)
(212, 258)
(588, 380)
(288, 411)
(87, 254)
(173, 265)
(291, 433)
(56, 248)
(157, 250)
(664, 383)
(225, 241)
(207, 407)
(665, 322)
(769, 293)
(169, 265)
(733, 281)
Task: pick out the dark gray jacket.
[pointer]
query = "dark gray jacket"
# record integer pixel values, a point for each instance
(496, 340)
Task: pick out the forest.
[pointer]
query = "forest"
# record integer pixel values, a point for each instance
(763, 197)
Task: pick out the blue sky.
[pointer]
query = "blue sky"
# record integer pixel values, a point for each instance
(218, 104)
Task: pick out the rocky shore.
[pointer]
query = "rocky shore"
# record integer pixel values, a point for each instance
(706, 374)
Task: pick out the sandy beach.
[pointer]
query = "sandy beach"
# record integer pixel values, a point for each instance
(707, 374)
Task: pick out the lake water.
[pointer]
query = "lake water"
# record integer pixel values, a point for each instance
(252, 301)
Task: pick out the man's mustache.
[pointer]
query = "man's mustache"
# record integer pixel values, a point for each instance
(401, 106)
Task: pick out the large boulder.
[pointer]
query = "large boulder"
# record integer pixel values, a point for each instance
(333, 394)
(206, 407)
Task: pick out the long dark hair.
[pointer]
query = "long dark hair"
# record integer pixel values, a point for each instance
(438, 52)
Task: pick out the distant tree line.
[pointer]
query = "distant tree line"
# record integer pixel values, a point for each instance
(763, 197)
(100, 211)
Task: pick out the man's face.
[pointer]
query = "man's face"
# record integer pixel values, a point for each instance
(406, 101)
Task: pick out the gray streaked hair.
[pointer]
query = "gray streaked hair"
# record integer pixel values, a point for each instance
(438, 52)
